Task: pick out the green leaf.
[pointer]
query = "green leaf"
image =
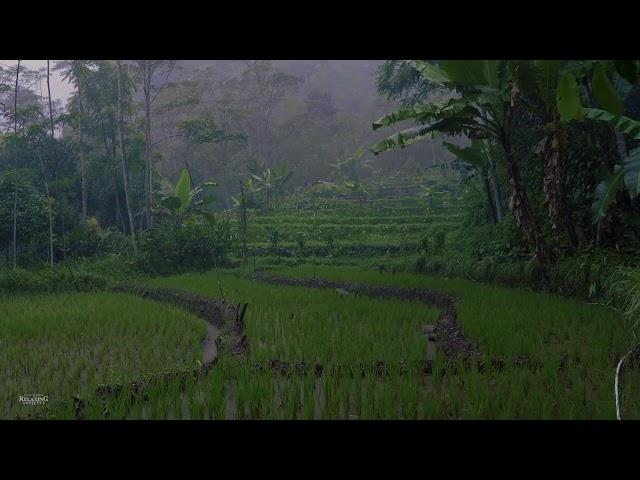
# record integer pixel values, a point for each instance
(403, 139)
(619, 122)
(568, 98)
(491, 72)
(469, 155)
(171, 203)
(605, 194)
(488, 96)
(632, 172)
(604, 92)
(423, 112)
(430, 72)
(166, 186)
(546, 80)
(183, 191)
(209, 217)
(466, 72)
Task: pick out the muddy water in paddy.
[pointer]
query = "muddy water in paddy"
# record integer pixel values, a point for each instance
(209, 348)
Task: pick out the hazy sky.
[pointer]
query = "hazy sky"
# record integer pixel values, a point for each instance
(59, 89)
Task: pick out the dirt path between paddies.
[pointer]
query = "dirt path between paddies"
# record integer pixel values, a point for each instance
(447, 335)
(223, 319)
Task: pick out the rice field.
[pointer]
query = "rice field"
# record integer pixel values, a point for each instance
(392, 215)
(572, 349)
(66, 345)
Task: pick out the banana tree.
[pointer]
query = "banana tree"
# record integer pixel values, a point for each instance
(476, 159)
(346, 168)
(539, 79)
(271, 182)
(624, 175)
(486, 92)
(180, 201)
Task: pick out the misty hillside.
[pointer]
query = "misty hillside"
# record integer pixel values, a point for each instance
(320, 113)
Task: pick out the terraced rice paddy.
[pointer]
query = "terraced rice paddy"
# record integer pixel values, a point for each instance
(321, 353)
(390, 218)
(567, 350)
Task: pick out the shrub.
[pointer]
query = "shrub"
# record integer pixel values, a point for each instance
(90, 240)
(169, 248)
(593, 275)
(20, 281)
(623, 288)
(31, 220)
(273, 237)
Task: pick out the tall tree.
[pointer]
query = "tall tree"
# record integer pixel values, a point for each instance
(538, 80)
(148, 69)
(15, 172)
(44, 173)
(121, 143)
(83, 175)
(148, 182)
(76, 73)
(268, 87)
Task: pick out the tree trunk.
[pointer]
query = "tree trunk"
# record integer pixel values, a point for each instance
(491, 207)
(50, 205)
(118, 209)
(83, 178)
(148, 182)
(493, 183)
(524, 217)
(111, 155)
(44, 173)
(519, 202)
(123, 160)
(15, 174)
(555, 196)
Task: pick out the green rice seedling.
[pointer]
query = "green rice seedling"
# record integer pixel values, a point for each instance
(115, 329)
(571, 349)
(331, 397)
(215, 393)
(293, 403)
(308, 398)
